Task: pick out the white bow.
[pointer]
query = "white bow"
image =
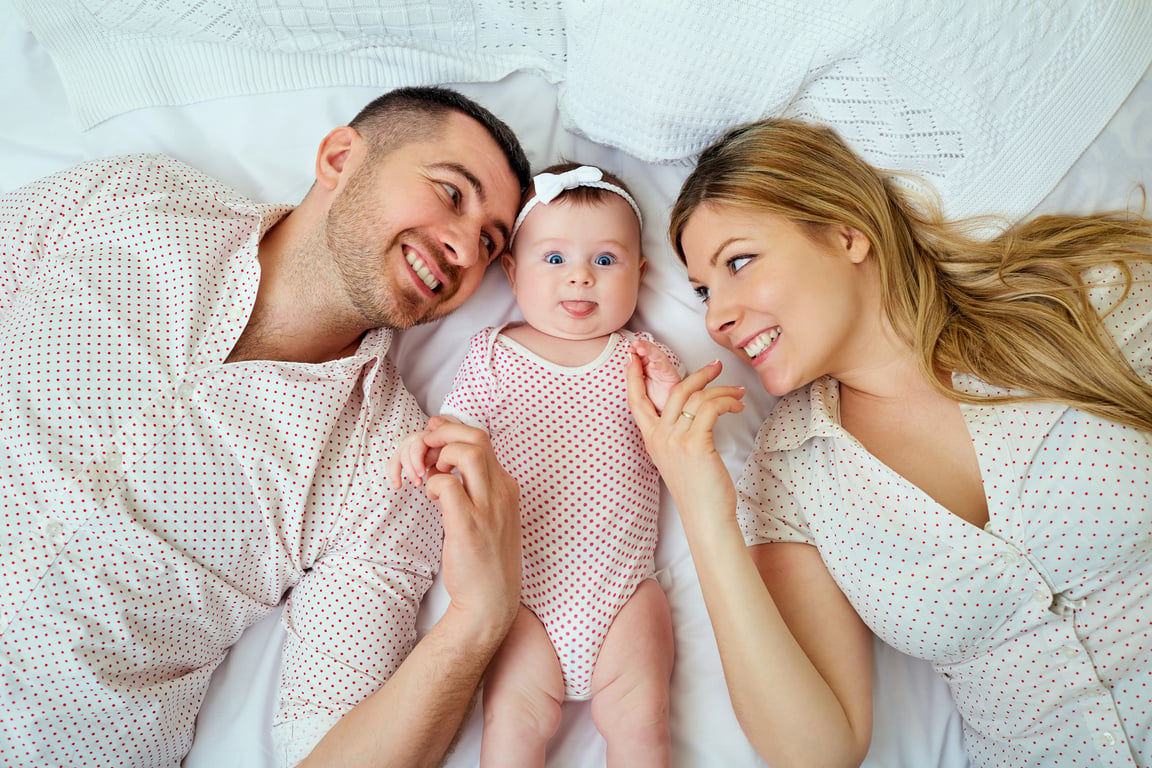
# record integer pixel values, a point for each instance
(549, 185)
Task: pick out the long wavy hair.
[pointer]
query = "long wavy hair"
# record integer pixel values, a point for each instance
(1011, 309)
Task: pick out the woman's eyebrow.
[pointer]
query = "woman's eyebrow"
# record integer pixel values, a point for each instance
(720, 249)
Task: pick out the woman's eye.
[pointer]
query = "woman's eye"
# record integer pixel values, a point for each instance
(605, 259)
(452, 191)
(554, 258)
(701, 293)
(736, 263)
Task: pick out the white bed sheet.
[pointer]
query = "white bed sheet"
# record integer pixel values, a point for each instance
(264, 146)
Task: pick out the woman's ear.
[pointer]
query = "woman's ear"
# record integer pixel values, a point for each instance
(508, 263)
(335, 155)
(855, 244)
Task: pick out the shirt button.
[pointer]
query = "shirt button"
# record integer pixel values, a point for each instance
(186, 389)
(1010, 557)
(1069, 651)
(1106, 739)
(1042, 596)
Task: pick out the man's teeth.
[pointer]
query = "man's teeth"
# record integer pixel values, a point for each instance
(421, 270)
(761, 342)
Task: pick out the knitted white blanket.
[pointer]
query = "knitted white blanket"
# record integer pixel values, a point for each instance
(991, 100)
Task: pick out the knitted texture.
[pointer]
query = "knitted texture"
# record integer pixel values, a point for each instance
(991, 103)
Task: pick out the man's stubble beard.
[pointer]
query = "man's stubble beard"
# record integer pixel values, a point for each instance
(364, 269)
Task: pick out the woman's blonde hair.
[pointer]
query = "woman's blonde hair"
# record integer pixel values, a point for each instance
(1012, 310)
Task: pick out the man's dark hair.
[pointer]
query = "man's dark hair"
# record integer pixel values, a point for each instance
(415, 113)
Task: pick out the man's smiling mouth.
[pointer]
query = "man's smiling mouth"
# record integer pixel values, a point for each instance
(421, 270)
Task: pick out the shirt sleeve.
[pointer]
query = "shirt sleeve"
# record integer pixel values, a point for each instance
(32, 220)
(1129, 321)
(473, 389)
(351, 619)
(766, 509)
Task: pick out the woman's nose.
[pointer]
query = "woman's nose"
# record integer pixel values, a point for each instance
(720, 316)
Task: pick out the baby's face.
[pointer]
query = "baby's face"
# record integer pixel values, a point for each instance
(576, 269)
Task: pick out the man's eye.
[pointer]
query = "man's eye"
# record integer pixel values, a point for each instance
(488, 245)
(701, 293)
(605, 260)
(452, 191)
(554, 258)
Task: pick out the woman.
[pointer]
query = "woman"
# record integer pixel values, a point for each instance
(961, 460)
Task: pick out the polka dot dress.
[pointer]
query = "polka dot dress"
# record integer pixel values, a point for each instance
(1041, 623)
(589, 493)
(157, 501)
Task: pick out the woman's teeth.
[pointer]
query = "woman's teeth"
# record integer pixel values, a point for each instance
(761, 343)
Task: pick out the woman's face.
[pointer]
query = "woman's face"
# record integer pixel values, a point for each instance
(793, 301)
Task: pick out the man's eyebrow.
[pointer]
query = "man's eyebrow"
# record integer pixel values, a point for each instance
(478, 188)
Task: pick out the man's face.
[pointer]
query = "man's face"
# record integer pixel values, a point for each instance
(414, 229)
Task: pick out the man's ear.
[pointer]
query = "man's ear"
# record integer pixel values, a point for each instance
(508, 263)
(335, 155)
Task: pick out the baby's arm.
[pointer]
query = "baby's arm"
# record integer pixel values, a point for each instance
(660, 373)
(413, 457)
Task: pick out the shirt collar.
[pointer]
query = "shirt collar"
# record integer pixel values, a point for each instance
(799, 416)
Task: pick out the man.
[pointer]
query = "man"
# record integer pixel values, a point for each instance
(196, 411)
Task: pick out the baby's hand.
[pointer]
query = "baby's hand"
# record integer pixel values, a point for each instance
(660, 375)
(411, 459)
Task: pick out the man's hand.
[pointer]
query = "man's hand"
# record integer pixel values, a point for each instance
(481, 507)
(411, 721)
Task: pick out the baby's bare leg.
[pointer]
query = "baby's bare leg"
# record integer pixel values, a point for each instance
(522, 696)
(630, 681)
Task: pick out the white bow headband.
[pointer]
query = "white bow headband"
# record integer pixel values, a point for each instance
(549, 185)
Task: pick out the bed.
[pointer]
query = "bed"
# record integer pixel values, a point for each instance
(1053, 114)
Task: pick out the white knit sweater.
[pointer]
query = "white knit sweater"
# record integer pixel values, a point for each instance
(991, 100)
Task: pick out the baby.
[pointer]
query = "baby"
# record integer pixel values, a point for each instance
(551, 393)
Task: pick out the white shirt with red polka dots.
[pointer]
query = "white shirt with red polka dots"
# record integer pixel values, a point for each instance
(589, 493)
(1042, 621)
(156, 500)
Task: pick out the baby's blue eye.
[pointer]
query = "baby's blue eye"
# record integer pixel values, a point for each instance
(554, 258)
(701, 293)
(605, 260)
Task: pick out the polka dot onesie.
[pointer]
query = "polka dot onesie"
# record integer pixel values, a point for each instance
(157, 501)
(1041, 622)
(589, 494)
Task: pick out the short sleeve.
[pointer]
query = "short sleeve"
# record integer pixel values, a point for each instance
(471, 397)
(1129, 321)
(766, 508)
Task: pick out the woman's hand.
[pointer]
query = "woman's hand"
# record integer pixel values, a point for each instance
(679, 438)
